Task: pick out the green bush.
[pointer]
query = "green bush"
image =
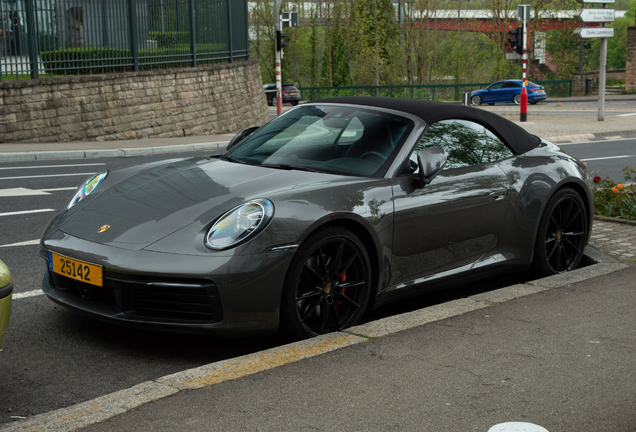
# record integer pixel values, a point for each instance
(87, 60)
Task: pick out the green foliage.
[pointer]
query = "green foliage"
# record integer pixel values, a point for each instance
(616, 200)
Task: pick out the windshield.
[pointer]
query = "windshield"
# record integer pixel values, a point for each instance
(332, 139)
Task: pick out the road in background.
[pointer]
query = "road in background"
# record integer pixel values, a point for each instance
(605, 158)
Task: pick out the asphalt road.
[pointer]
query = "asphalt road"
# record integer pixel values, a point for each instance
(605, 158)
(54, 358)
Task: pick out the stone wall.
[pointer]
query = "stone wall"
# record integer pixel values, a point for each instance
(630, 73)
(210, 99)
(578, 80)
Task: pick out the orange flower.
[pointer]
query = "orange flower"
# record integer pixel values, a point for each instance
(614, 190)
(619, 186)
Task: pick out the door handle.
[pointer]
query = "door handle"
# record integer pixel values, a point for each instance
(498, 195)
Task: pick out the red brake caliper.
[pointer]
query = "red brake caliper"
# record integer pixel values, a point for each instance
(343, 278)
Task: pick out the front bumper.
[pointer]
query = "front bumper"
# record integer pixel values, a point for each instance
(230, 296)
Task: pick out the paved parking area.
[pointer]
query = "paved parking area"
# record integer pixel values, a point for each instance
(618, 240)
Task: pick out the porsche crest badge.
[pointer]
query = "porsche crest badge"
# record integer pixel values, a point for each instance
(104, 228)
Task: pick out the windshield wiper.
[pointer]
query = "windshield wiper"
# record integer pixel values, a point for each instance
(229, 159)
(289, 167)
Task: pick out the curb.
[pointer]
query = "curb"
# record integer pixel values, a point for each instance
(615, 220)
(113, 404)
(106, 153)
(600, 136)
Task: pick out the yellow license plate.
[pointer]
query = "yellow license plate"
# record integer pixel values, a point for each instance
(75, 269)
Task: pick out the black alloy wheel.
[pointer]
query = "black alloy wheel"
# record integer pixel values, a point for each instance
(562, 234)
(328, 284)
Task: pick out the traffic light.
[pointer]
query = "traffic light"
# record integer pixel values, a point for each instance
(516, 40)
(279, 40)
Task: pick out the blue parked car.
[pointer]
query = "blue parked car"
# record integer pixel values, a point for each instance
(507, 91)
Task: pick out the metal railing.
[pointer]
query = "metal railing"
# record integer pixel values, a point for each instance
(441, 92)
(70, 37)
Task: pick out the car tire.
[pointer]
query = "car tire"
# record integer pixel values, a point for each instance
(534, 102)
(517, 99)
(476, 100)
(321, 296)
(562, 234)
(294, 103)
(272, 101)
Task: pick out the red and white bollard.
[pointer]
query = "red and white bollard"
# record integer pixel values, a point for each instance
(524, 103)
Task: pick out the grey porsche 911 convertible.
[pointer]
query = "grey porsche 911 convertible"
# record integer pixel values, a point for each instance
(332, 209)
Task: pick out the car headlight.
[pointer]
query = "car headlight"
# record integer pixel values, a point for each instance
(88, 187)
(239, 224)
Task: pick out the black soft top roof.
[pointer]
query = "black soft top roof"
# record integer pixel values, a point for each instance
(517, 139)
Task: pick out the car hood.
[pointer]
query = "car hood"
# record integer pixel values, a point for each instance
(154, 203)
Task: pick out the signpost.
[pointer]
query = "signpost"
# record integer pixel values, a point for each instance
(602, 16)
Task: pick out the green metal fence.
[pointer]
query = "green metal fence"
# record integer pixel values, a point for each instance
(441, 92)
(70, 37)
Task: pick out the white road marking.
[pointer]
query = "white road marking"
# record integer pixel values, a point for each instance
(27, 294)
(16, 192)
(608, 157)
(50, 166)
(26, 212)
(626, 115)
(46, 176)
(24, 243)
(60, 189)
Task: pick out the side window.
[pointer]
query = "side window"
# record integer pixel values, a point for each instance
(511, 84)
(466, 143)
(496, 86)
(498, 150)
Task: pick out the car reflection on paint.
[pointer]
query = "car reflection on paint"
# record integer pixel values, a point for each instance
(332, 209)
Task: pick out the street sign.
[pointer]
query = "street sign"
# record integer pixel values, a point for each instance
(594, 32)
(594, 15)
(523, 12)
(290, 19)
(598, 1)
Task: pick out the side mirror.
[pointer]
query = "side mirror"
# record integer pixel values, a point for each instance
(240, 136)
(431, 161)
